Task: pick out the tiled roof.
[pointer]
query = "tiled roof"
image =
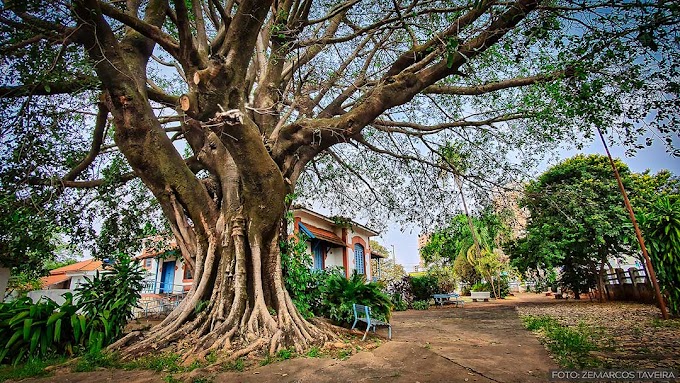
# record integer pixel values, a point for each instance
(86, 265)
(324, 235)
(150, 252)
(50, 280)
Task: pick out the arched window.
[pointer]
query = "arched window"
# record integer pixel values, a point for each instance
(359, 258)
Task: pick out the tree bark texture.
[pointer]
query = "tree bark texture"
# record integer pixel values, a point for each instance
(228, 224)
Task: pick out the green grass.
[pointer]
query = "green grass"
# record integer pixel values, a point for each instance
(235, 365)
(571, 346)
(31, 369)
(94, 360)
(166, 362)
(344, 354)
(267, 360)
(314, 352)
(671, 323)
(284, 354)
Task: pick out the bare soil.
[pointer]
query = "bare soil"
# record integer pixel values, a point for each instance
(630, 335)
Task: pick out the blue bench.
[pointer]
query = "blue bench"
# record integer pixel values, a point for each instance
(441, 299)
(363, 314)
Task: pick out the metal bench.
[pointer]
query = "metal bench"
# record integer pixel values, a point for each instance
(442, 299)
(363, 314)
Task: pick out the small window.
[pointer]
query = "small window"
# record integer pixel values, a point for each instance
(147, 262)
(187, 273)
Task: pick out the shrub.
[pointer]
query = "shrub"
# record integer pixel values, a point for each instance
(108, 301)
(424, 287)
(504, 285)
(30, 329)
(661, 227)
(401, 287)
(446, 278)
(398, 303)
(339, 293)
(301, 282)
(481, 286)
(421, 305)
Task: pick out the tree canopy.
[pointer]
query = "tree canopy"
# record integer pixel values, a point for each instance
(222, 109)
(578, 220)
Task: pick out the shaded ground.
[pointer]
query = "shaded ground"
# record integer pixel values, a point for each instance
(481, 342)
(629, 334)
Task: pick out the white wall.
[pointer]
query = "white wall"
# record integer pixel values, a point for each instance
(334, 255)
(54, 294)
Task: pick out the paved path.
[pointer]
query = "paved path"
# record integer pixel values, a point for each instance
(480, 342)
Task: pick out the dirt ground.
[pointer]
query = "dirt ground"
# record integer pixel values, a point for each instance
(480, 342)
(631, 335)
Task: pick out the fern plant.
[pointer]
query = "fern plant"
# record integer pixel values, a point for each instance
(339, 293)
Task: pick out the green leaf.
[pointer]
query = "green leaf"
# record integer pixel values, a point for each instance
(34, 339)
(53, 318)
(13, 339)
(57, 330)
(18, 318)
(27, 329)
(81, 318)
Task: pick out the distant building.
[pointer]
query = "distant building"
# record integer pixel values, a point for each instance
(506, 206)
(423, 240)
(69, 277)
(66, 279)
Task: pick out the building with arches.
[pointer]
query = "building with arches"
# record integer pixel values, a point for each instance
(331, 242)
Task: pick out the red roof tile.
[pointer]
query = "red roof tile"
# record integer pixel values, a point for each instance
(51, 280)
(150, 252)
(325, 235)
(86, 265)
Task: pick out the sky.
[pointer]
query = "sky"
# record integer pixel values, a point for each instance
(655, 158)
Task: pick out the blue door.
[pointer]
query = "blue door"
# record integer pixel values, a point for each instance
(168, 276)
(359, 258)
(317, 250)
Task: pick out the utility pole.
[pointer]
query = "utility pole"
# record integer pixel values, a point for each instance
(394, 258)
(650, 269)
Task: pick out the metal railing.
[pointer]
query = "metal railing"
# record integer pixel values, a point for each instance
(155, 287)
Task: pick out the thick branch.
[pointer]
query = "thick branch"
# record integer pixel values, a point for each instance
(476, 90)
(49, 88)
(88, 184)
(151, 31)
(97, 140)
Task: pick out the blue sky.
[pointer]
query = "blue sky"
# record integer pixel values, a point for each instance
(655, 158)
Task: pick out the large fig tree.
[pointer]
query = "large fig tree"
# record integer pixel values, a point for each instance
(222, 108)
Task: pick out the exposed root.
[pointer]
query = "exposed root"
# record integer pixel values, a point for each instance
(249, 310)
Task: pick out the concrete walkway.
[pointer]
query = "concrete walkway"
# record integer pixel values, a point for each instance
(480, 342)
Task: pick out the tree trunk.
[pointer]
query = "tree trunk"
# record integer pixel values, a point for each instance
(238, 303)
